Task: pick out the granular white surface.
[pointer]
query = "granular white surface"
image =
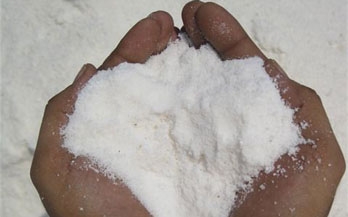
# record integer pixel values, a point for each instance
(185, 130)
(44, 43)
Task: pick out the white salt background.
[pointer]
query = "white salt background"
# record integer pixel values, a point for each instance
(44, 43)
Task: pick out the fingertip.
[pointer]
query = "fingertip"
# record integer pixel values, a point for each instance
(218, 26)
(225, 33)
(167, 29)
(149, 36)
(189, 20)
(163, 18)
(87, 72)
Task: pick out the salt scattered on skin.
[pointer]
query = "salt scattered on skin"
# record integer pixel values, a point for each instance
(262, 186)
(184, 130)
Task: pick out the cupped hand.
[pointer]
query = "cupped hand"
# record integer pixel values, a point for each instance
(306, 183)
(70, 186)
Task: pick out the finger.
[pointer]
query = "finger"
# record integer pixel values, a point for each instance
(149, 36)
(224, 33)
(86, 73)
(189, 20)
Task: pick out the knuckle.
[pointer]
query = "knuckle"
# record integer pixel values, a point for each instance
(52, 101)
(309, 93)
(60, 99)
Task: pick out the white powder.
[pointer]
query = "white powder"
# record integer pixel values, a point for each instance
(44, 44)
(185, 130)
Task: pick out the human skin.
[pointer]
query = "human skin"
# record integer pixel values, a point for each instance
(69, 187)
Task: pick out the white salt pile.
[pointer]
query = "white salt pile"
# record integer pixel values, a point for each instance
(185, 130)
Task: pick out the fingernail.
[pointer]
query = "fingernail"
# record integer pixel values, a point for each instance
(82, 70)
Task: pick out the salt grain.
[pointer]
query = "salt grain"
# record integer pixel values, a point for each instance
(203, 127)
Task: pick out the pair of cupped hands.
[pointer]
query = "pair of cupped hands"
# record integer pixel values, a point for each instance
(69, 187)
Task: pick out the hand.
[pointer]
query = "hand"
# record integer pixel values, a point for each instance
(308, 186)
(69, 186)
